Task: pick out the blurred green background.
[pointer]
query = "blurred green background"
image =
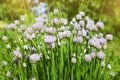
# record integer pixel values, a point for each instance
(103, 10)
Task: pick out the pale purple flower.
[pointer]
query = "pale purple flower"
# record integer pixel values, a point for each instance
(17, 53)
(102, 41)
(76, 26)
(84, 32)
(60, 35)
(22, 27)
(80, 15)
(62, 28)
(77, 39)
(82, 23)
(40, 20)
(55, 21)
(88, 58)
(34, 58)
(95, 42)
(29, 30)
(50, 39)
(12, 26)
(50, 30)
(38, 26)
(63, 21)
(90, 25)
(28, 36)
(101, 55)
(67, 33)
(92, 54)
(109, 37)
(100, 25)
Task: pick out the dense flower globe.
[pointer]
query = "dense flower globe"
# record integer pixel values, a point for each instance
(34, 58)
(100, 25)
(88, 58)
(92, 54)
(49, 39)
(109, 37)
(17, 53)
(101, 55)
(72, 46)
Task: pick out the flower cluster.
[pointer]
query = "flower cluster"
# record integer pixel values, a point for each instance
(58, 41)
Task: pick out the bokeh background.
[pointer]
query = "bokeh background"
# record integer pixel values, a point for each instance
(107, 11)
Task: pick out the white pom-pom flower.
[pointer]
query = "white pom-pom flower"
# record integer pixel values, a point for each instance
(73, 60)
(24, 65)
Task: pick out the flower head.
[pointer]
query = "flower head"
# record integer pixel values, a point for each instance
(8, 74)
(4, 38)
(109, 66)
(109, 37)
(34, 58)
(88, 58)
(73, 60)
(4, 63)
(17, 53)
(101, 55)
(100, 25)
(50, 39)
